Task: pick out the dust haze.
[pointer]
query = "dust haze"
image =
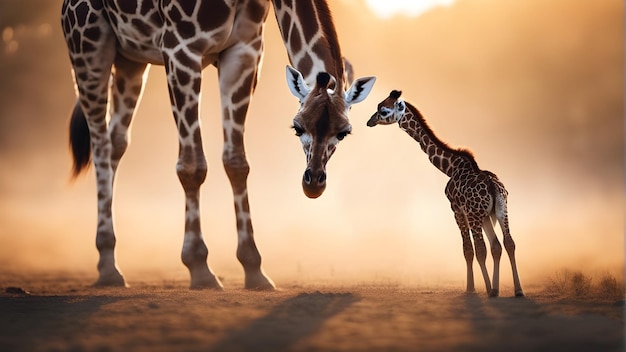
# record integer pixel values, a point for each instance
(534, 88)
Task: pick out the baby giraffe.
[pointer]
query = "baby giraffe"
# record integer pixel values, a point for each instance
(477, 197)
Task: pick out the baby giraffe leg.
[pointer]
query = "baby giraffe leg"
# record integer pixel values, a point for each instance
(509, 245)
(496, 253)
(468, 250)
(481, 251)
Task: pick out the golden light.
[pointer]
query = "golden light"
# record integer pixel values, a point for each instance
(411, 8)
(384, 214)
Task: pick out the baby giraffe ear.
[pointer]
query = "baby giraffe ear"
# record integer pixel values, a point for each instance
(296, 83)
(400, 106)
(359, 90)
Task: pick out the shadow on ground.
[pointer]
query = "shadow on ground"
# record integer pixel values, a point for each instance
(289, 322)
(524, 324)
(33, 319)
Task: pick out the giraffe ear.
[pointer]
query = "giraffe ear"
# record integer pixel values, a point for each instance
(296, 83)
(359, 90)
(400, 106)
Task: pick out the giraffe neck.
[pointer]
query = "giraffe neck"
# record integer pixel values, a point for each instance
(448, 160)
(310, 38)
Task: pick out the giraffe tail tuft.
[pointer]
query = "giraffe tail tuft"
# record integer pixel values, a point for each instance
(80, 141)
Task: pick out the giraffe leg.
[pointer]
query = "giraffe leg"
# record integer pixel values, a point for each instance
(496, 253)
(238, 70)
(509, 245)
(126, 88)
(468, 250)
(91, 47)
(481, 250)
(184, 73)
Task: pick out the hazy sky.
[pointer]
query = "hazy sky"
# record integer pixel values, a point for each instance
(533, 87)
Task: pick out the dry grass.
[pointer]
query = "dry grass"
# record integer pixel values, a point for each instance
(576, 284)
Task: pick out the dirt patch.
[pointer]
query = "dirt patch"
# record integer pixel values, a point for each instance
(60, 311)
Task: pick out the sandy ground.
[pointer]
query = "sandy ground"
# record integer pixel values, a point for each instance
(61, 312)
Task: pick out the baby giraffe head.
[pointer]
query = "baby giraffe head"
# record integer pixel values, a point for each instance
(389, 110)
(322, 121)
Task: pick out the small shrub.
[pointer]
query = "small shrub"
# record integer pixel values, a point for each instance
(580, 285)
(575, 284)
(609, 288)
(559, 282)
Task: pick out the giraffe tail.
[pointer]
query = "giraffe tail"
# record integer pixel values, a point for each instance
(499, 195)
(80, 142)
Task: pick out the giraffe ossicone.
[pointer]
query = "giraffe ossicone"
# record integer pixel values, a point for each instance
(111, 45)
(477, 197)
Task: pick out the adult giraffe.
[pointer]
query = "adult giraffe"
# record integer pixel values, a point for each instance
(112, 42)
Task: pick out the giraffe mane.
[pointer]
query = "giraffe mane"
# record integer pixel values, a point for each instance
(465, 152)
(330, 33)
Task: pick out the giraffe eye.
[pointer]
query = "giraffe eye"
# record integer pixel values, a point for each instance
(384, 112)
(299, 130)
(342, 135)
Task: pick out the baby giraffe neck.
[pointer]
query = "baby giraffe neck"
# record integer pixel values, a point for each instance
(448, 160)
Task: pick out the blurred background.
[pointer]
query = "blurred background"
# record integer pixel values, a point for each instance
(533, 87)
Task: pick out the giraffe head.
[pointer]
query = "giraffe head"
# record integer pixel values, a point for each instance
(322, 121)
(389, 110)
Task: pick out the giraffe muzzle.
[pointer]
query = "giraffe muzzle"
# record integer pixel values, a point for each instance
(373, 120)
(314, 183)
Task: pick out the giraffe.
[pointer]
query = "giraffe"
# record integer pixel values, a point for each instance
(477, 197)
(112, 44)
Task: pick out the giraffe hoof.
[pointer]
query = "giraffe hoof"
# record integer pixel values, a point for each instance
(202, 277)
(209, 282)
(111, 280)
(519, 293)
(259, 282)
(494, 293)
